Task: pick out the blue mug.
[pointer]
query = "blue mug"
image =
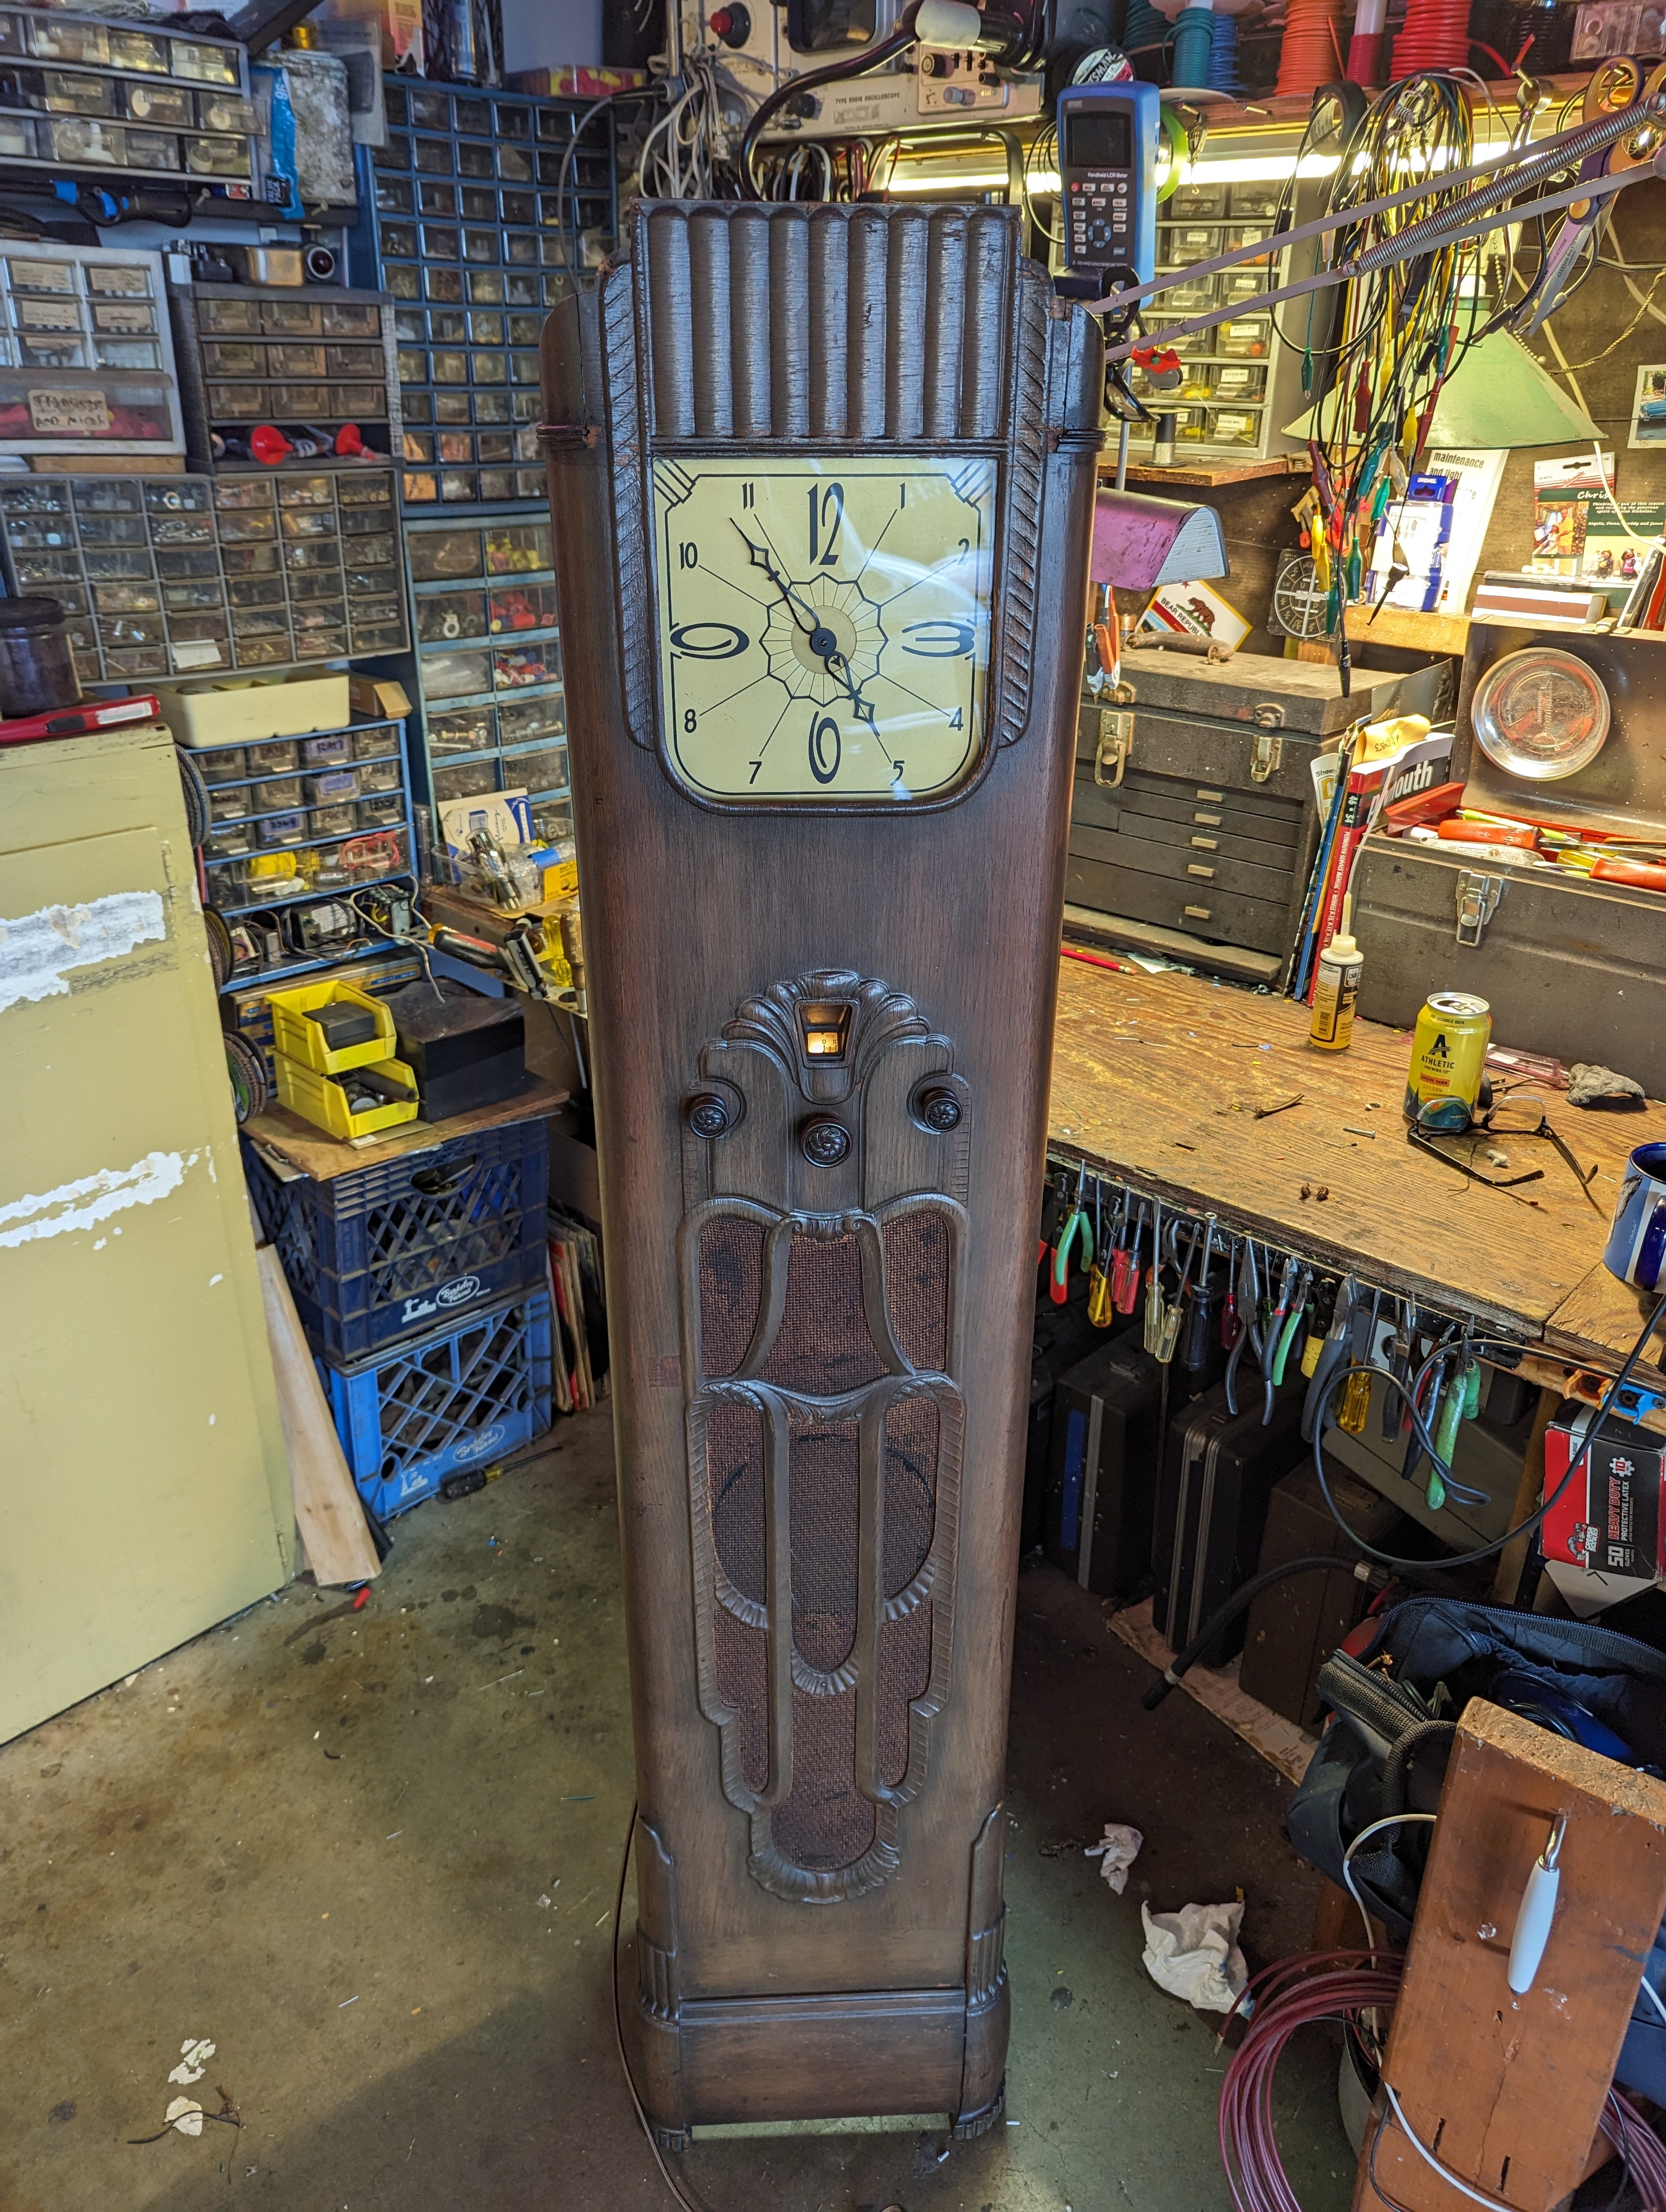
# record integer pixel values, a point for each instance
(1636, 1250)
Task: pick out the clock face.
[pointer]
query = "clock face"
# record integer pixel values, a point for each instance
(824, 623)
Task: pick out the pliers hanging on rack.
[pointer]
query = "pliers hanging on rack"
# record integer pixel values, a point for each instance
(1280, 1332)
(1333, 1353)
(1076, 1228)
(1246, 1301)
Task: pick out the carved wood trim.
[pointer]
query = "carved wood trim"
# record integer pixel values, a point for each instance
(883, 1021)
(1013, 642)
(1010, 423)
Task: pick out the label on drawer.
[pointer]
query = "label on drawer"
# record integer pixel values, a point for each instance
(60, 414)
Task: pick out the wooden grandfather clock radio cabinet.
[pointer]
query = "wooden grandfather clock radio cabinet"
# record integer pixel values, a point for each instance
(822, 481)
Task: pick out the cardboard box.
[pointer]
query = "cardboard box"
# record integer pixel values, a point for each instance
(1605, 1535)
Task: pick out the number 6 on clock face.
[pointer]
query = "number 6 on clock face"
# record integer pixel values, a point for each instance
(824, 623)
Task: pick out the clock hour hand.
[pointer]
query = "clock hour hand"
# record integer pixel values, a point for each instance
(839, 666)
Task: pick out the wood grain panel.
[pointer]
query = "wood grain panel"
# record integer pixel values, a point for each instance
(1162, 1078)
(1509, 2090)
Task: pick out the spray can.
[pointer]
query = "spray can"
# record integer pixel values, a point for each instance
(1449, 1058)
(1335, 989)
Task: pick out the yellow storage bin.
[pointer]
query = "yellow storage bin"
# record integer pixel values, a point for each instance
(301, 1040)
(319, 1099)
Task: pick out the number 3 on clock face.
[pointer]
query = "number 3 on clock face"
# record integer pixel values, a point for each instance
(824, 623)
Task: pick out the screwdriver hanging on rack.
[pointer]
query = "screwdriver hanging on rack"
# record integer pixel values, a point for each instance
(1100, 1310)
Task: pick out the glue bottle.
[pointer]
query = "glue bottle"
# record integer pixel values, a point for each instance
(1335, 989)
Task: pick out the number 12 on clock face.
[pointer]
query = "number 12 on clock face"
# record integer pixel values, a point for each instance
(824, 623)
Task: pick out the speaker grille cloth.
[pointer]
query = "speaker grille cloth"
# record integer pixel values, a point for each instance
(734, 1494)
(916, 1247)
(911, 1440)
(825, 1823)
(823, 1509)
(823, 1346)
(731, 1277)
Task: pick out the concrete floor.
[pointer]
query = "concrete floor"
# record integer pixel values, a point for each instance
(373, 1857)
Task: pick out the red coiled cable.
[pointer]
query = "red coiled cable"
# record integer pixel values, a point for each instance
(1435, 35)
(1344, 1986)
(1308, 56)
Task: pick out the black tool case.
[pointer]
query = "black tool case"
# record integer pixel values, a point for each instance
(1569, 966)
(1293, 1626)
(1106, 1442)
(1194, 809)
(1219, 1470)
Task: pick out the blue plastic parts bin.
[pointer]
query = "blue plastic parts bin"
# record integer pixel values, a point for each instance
(459, 1398)
(397, 1247)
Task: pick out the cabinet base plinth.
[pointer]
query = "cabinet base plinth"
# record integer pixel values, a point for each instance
(848, 2054)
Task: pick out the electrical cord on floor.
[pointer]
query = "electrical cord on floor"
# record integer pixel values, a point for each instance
(1411, 1570)
(687, 2202)
(1393, 1821)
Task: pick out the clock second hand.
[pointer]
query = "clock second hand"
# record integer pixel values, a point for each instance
(823, 641)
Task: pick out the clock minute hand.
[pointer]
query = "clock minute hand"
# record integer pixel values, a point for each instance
(823, 642)
(760, 560)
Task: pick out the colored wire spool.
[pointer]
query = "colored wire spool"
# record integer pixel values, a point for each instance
(1193, 30)
(1224, 75)
(1435, 35)
(1308, 57)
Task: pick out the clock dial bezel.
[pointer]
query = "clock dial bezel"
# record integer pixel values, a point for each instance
(835, 459)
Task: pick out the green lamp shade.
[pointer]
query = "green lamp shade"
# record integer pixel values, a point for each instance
(1498, 396)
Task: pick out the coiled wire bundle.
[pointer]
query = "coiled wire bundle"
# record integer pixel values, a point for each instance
(1358, 1989)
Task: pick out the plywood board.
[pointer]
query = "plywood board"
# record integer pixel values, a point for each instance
(1185, 1087)
(327, 1513)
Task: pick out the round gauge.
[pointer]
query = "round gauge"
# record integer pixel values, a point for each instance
(1300, 609)
(1541, 713)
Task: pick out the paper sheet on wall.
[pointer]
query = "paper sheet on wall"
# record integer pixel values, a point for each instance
(1441, 540)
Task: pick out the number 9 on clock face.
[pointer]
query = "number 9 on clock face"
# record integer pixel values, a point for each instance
(824, 623)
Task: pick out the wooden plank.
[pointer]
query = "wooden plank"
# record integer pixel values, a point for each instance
(1601, 1317)
(1510, 2090)
(1409, 627)
(314, 1152)
(1160, 1080)
(1278, 1741)
(327, 1514)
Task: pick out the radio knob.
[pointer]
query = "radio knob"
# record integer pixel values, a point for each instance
(824, 1142)
(939, 1109)
(708, 1113)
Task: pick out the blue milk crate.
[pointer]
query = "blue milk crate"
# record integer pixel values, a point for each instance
(460, 1397)
(395, 1249)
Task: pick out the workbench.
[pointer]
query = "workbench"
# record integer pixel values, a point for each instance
(1208, 1097)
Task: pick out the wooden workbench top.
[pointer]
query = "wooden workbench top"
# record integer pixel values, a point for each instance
(1182, 1086)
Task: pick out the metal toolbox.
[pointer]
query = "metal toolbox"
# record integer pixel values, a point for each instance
(1570, 967)
(1193, 808)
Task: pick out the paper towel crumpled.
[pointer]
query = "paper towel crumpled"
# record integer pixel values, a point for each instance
(1194, 1953)
(1115, 1851)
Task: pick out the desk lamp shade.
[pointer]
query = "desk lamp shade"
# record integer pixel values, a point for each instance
(1497, 396)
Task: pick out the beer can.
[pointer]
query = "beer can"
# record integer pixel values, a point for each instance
(1449, 1056)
